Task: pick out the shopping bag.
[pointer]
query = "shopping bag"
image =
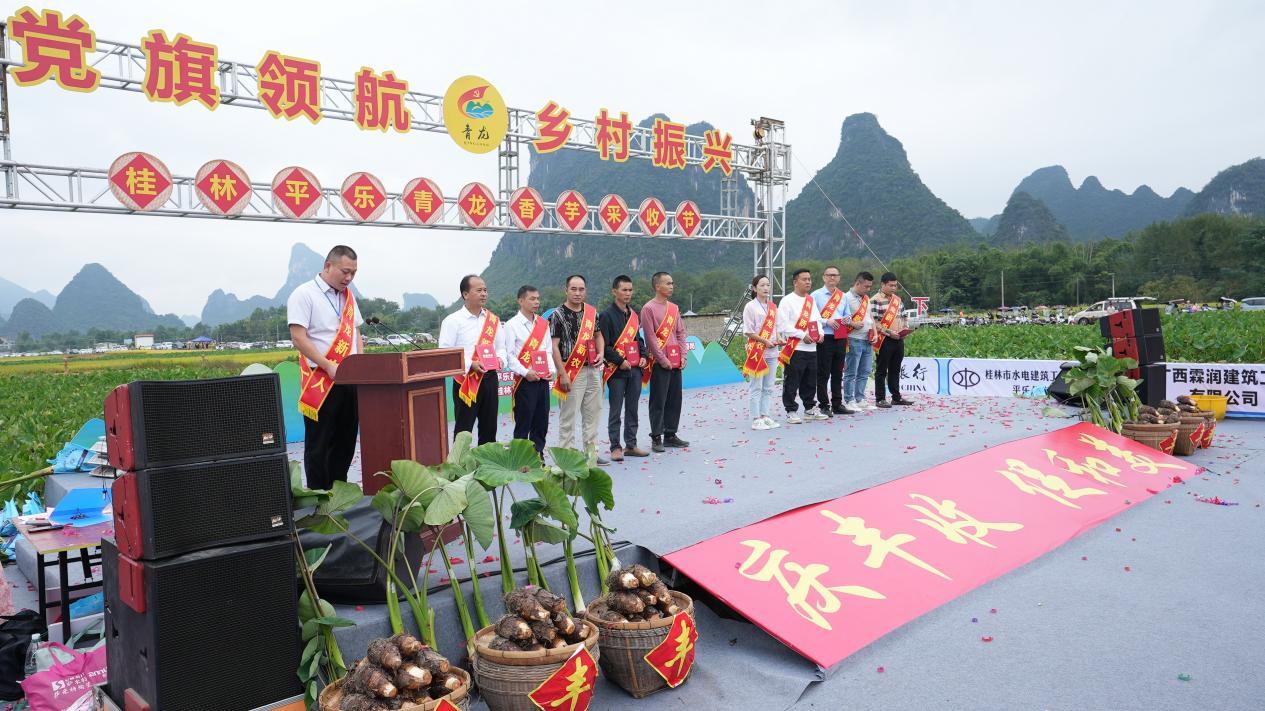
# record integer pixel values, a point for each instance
(65, 686)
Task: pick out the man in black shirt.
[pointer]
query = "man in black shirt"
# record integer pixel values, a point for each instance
(622, 373)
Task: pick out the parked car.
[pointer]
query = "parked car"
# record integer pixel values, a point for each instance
(1109, 306)
(1255, 303)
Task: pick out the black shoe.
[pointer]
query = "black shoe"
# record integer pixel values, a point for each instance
(841, 410)
(902, 401)
(673, 441)
(656, 444)
(883, 404)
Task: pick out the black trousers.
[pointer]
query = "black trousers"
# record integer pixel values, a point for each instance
(483, 410)
(330, 442)
(625, 393)
(830, 368)
(531, 412)
(887, 367)
(665, 400)
(800, 376)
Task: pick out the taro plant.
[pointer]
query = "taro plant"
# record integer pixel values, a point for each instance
(1101, 381)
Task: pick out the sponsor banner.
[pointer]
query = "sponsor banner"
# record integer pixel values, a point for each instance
(978, 377)
(830, 578)
(1243, 384)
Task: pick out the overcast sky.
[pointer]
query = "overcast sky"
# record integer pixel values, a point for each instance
(979, 93)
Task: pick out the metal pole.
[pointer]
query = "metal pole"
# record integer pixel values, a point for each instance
(6, 151)
(1003, 288)
(1113, 285)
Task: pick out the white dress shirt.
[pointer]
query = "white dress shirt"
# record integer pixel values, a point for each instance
(788, 314)
(318, 307)
(460, 329)
(517, 331)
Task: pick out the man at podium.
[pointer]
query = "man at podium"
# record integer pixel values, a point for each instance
(478, 332)
(325, 327)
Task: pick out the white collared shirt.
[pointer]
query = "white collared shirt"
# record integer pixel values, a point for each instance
(318, 307)
(460, 329)
(517, 331)
(788, 314)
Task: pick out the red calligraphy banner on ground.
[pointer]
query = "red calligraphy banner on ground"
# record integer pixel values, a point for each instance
(829, 578)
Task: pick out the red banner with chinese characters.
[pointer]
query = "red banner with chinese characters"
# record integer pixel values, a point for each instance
(673, 658)
(571, 687)
(827, 579)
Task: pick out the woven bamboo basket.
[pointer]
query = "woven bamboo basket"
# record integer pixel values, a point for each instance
(331, 698)
(1161, 437)
(506, 678)
(1210, 424)
(1186, 444)
(626, 644)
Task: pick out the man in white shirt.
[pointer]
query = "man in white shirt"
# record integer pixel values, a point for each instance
(466, 328)
(314, 312)
(799, 322)
(858, 317)
(528, 352)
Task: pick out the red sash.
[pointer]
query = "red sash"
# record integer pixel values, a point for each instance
(628, 335)
(661, 338)
(579, 354)
(889, 317)
(316, 382)
(469, 391)
(526, 354)
(755, 365)
(801, 324)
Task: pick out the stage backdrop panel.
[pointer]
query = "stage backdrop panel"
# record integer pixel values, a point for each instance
(1241, 383)
(829, 578)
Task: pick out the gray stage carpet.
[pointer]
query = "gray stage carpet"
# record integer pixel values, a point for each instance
(1072, 630)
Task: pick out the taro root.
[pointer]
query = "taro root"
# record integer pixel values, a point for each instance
(625, 602)
(447, 680)
(652, 613)
(621, 579)
(523, 603)
(645, 577)
(407, 644)
(647, 598)
(502, 644)
(360, 702)
(532, 647)
(371, 680)
(564, 623)
(661, 591)
(612, 616)
(543, 631)
(410, 676)
(513, 627)
(1184, 400)
(555, 643)
(635, 617)
(433, 662)
(670, 608)
(551, 602)
(385, 654)
(581, 633)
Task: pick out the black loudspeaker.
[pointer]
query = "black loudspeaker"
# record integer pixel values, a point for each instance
(1146, 350)
(1154, 382)
(1058, 389)
(168, 510)
(215, 630)
(349, 575)
(161, 423)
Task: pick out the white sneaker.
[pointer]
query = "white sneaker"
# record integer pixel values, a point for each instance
(849, 405)
(759, 424)
(815, 414)
(868, 406)
(772, 423)
(793, 418)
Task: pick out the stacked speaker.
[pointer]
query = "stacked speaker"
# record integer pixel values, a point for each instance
(1136, 334)
(201, 607)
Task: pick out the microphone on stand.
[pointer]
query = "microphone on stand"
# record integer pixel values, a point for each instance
(375, 321)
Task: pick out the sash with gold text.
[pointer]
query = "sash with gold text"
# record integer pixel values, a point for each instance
(801, 324)
(526, 354)
(756, 366)
(469, 391)
(316, 382)
(889, 317)
(626, 336)
(579, 354)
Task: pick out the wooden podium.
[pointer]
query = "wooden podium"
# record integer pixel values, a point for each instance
(402, 405)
